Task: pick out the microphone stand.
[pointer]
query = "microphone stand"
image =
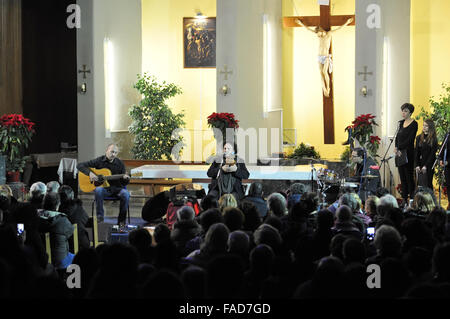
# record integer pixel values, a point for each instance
(384, 160)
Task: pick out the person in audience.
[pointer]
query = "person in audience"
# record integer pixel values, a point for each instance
(239, 244)
(117, 186)
(422, 204)
(370, 208)
(327, 281)
(7, 203)
(88, 261)
(418, 262)
(166, 253)
(225, 274)
(417, 234)
(351, 200)
(323, 234)
(141, 240)
(193, 279)
(386, 202)
(227, 173)
(36, 194)
(53, 187)
(425, 153)
(268, 235)
(117, 273)
(74, 210)
(353, 251)
(337, 244)
(252, 218)
(184, 229)
(260, 268)
(163, 284)
(208, 202)
(227, 200)
(233, 218)
(296, 226)
(388, 243)
(438, 220)
(276, 205)
(344, 224)
(60, 229)
(296, 191)
(216, 241)
(441, 263)
(207, 218)
(24, 213)
(256, 196)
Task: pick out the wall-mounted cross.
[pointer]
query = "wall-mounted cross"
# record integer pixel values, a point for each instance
(326, 21)
(84, 71)
(226, 71)
(365, 73)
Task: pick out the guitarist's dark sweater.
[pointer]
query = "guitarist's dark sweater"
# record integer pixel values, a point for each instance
(116, 167)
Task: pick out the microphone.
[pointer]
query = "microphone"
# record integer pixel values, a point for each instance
(387, 159)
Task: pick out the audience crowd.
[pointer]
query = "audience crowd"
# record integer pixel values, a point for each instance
(281, 246)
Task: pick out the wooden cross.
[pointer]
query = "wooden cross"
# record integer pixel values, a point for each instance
(226, 72)
(84, 71)
(326, 21)
(365, 73)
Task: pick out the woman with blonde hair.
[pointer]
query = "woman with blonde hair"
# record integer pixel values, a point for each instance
(423, 203)
(227, 200)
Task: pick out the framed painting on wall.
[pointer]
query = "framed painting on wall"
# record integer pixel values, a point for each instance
(199, 42)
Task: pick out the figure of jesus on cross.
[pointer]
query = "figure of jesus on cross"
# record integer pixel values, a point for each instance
(324, 58)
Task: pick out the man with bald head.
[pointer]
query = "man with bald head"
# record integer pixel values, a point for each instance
(117, 186)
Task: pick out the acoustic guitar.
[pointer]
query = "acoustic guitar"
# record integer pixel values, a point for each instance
(104, 175)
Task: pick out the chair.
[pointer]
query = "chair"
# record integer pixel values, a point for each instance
(75, 238)
(48, 248)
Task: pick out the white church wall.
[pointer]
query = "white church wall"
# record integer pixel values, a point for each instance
(243, 47)
(383, 45)
(102, 115)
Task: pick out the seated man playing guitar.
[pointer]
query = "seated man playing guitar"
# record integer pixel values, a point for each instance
(115, 183)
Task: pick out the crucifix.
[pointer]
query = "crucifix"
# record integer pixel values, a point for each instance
(365, 73)
(226, 71)
(84, 71)
(322, 27)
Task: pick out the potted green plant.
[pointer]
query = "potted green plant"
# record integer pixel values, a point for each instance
(155, 126)
(303, 154)
(16, 132)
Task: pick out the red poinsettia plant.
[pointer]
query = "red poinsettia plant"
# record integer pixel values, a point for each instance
(16, 132)
(222, 121)
(362, 130)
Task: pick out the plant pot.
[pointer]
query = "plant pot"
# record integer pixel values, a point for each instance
(13, 177)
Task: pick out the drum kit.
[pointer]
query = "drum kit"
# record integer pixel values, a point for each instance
(331, 182)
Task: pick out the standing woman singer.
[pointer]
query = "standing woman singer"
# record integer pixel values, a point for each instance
(404, 150)
(426, 148)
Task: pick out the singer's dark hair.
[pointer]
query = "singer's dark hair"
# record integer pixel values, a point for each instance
(408, 106)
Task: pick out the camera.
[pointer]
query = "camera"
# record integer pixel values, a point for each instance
(370, 233)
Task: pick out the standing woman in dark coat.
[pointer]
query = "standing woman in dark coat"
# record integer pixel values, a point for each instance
(227, 173)
(404, 142)
(426, 148)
